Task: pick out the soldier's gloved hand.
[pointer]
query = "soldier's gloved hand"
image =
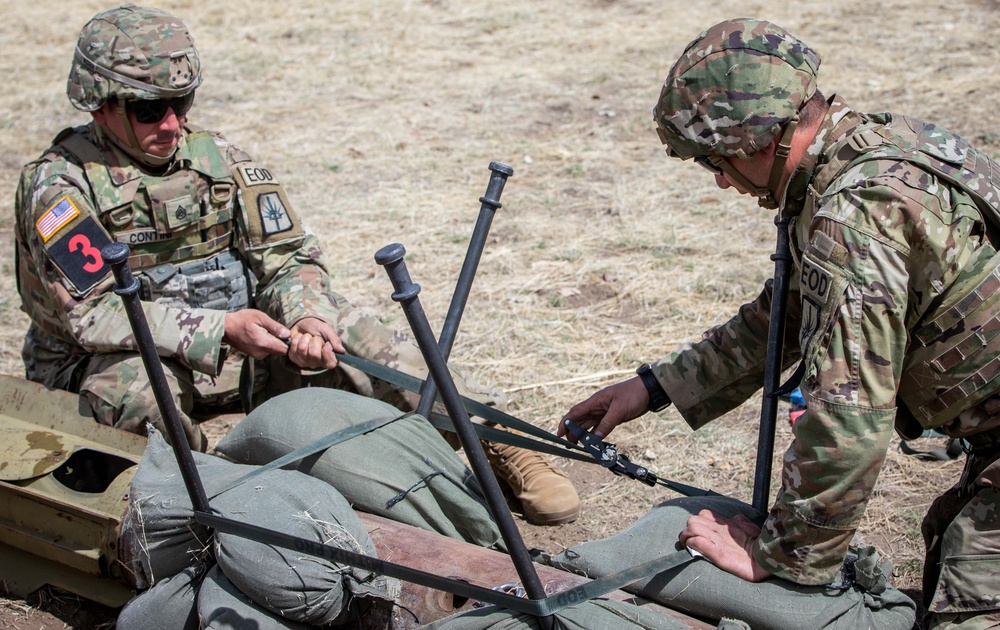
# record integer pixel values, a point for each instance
(253, 333)
(725, 542)
(314, 344)
(608, 408)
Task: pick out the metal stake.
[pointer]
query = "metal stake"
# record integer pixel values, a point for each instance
(391, 257)
(127, 286)
(490, 204)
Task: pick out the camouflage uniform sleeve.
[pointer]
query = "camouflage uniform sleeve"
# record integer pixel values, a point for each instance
(710, 377)
(295, 283)
(284, 256)
(879, 253)
(69, 288)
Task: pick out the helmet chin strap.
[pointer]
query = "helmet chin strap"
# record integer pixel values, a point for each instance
(766, 195)
(132, 147)
(780, 157)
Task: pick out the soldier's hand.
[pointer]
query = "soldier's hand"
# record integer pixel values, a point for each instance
(608, 408)
(726, 542)
(255, 334)
(314, 344)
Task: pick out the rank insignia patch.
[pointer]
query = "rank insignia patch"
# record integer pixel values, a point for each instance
(59, 214)
(273, 215)
(78, 254)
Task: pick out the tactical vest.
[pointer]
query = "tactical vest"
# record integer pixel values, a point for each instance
(953, 358)
(179, 227)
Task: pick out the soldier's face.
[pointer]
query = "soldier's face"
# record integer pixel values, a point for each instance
(157, 138)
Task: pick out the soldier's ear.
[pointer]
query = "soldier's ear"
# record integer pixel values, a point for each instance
(104, 114)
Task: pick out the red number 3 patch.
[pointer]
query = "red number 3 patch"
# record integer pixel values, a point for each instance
(80, 243)
(78, 254)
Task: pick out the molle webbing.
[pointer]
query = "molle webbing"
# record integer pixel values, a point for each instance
(145, 261)
(192, 265)
(204, 186)
(218, 282)
(950, 365)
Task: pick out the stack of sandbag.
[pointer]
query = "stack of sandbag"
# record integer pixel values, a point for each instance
(229, 581)
(398, 467)
(861, 597)
(403, 470)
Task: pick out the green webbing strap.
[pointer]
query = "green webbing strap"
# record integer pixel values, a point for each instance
(613, 582)
(537, 607)
(565, 449)
(442, 422)
(474, 407)
(319, 445)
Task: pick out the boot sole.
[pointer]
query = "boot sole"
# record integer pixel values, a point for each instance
(554, 518)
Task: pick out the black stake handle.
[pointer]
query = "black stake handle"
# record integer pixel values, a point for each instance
(127, 287)
(782, 258)
(391, 257)
(490, 204)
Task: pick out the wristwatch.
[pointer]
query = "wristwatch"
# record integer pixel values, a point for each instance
(658, 399)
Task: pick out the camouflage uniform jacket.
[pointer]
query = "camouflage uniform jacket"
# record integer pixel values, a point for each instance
(84, 192)
(893, 297)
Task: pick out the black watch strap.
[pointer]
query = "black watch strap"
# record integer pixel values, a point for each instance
(658, 399)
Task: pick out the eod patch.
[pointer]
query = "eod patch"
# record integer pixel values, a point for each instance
(268, 214)
(814, 287)
(819, 286)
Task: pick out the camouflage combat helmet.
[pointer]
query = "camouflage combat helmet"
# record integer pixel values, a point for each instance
(733, 90)
(132, 53)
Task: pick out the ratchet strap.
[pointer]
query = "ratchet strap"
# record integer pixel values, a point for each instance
(594, 449)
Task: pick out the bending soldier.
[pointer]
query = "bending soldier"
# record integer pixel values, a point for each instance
(227, 267)
(893, 298)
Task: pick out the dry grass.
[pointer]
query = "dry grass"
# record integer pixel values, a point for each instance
(381, 117)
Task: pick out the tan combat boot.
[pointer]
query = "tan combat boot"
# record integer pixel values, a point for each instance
(546, 494)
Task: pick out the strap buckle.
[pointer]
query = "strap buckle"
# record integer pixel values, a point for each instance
(608, 456)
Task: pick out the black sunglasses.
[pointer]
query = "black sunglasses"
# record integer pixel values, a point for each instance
(148, 112)
(705, 161)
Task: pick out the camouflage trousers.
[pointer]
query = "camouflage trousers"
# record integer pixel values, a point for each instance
(961, 530)
(120, 394)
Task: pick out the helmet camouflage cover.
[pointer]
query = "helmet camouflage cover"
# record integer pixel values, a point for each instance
(132, 52)
(733, 88)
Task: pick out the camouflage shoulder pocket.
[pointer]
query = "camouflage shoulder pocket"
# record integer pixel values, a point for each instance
(823, 284)
(267, 215)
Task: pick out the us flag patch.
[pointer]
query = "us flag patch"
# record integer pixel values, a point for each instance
(59, 214)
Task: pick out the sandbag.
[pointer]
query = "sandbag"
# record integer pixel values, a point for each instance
(292, 584)
(288, 583)
(702, 589)
(159, 537)
(596, 614)
(170, 605)
(222, 606)
(404, 470)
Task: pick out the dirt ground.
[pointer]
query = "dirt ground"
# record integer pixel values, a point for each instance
(381, 117)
